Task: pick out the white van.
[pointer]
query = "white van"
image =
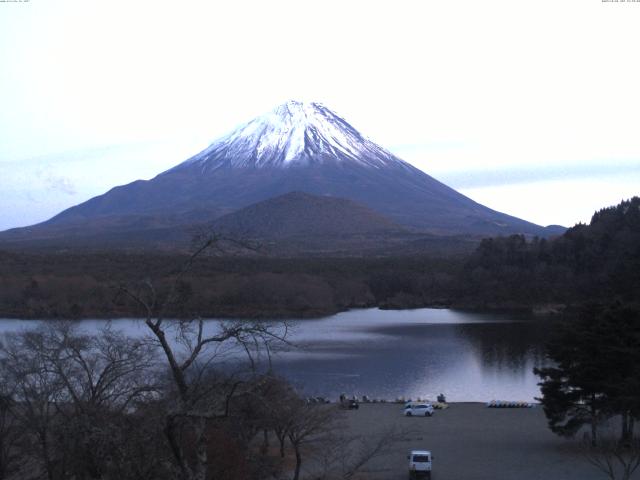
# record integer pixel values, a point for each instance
(419, 464)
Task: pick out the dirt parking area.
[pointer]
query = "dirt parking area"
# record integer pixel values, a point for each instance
(470, 441)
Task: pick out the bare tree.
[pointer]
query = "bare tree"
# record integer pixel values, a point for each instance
(276, 397)
(190, 349)
(9, 430)
(36, 391)
(616, 459)
(344, 456)
(72, 392)
(309, 423)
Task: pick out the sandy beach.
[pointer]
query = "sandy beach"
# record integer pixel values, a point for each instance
(471, 441)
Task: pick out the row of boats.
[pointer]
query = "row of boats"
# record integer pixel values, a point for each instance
(440, 404)
(509, 404)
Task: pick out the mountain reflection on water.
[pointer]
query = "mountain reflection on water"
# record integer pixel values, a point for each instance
(392, 353)
(387, 354)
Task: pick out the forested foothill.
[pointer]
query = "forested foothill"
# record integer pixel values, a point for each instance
(77, 285)
(599, 261)
(595, 262)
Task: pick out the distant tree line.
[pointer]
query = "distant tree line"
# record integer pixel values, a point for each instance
(81, 285)
(599, 261)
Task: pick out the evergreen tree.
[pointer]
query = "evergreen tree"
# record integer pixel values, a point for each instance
(596, 373)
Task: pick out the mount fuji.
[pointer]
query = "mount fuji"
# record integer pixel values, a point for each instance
(297, 147)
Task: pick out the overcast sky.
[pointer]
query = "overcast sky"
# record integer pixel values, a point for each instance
(529, 107)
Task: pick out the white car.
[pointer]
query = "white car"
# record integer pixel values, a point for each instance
(418, 410)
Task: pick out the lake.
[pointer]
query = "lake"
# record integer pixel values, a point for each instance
(409, 353)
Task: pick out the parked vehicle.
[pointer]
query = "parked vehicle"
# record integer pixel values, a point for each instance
(418, 409)
(349, 404)
(419, 464)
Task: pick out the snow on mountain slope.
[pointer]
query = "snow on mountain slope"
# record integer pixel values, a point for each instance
(295, 133)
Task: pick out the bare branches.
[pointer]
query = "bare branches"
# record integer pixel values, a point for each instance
(616, 459)
(344, 457)
(361, 451)
(190, 347)
(89, 371)
(74, 393)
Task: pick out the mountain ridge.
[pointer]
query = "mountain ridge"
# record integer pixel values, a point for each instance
(298, 147)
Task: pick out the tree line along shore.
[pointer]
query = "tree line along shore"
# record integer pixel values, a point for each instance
(595, 262)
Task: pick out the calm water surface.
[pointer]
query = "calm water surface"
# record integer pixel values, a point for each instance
(410, 353)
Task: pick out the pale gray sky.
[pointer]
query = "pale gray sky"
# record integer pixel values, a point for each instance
(530, 107)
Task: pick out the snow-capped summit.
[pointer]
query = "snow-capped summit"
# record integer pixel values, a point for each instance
(294, 133)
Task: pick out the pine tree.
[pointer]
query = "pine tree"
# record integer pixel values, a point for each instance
(596, 373)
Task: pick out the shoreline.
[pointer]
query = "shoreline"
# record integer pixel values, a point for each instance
(545, 311)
